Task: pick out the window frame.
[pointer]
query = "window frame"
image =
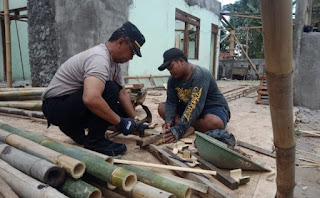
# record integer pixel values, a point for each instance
(189, 19)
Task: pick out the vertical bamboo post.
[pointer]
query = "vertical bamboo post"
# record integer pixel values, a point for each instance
(8, 42)
(277, 35)
(231, 48)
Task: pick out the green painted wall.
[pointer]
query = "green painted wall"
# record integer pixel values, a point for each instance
(19, 47)
(156, 20)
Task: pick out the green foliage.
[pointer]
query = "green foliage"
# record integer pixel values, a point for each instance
(255, 40)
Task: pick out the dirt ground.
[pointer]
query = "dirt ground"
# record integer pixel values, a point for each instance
(250, 123)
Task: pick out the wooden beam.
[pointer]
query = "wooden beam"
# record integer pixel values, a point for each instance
(149, 140)
(255, 148)
(213, 189)
(241, 16)
(220, 176)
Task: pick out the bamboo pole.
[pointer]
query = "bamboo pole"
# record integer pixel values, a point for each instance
(150, 178)
(35, 167)
(5, 89)
(72, 166)
(5, 190)
(8, 42)
(79, 189)
(25, 186)
(21, 95)
(277, 36)
(95, 165)
(21, 112)
(27, 105)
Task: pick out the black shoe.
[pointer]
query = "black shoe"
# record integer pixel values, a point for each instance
(106, 147)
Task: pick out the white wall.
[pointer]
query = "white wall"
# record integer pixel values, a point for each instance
(156, 21)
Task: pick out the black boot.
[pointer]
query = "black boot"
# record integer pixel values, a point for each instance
(105, 146)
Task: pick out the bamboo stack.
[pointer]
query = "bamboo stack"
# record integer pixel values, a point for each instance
(122, 179)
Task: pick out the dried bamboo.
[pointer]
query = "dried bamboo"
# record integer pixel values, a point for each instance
(95, 165)
(5, 190)
(30, 105)
(21, 112)
(277, 36)
(72, 166)
(35, 167)
(21, 95)
(5, 89)
(26, 186)
(150, 178)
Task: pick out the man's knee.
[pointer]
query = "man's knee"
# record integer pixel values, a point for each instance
(161, 110)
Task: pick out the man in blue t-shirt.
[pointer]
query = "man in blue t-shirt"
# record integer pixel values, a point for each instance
(194, 101)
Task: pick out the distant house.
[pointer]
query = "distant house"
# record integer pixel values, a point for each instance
(59, 29)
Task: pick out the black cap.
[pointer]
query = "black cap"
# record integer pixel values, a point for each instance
(135, 36)
(170, 55)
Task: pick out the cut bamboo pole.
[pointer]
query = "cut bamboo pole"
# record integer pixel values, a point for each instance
(27, 105)
(192, 184)
(79, 189)
(26, 186)
(21, 112)
(95, 165)
(35, 167)
(168, 167)
(106, 158)
(6, 191)
(6, 89)
(72, 166)
(277, 36)
(142, 190)
(150, 178)
(21, 95)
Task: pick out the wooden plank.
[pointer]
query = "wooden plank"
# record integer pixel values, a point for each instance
(220, 176)
(168, 167)
(149, 140)
(255, 148)
(213, 189)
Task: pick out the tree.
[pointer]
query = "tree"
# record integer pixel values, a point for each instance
(255, 40)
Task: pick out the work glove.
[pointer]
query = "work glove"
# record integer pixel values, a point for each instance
(141, 128)
(126, 125)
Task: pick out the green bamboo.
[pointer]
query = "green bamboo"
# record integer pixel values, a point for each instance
(95, 165)
(76, 188)
(73, 166)
(152, 179)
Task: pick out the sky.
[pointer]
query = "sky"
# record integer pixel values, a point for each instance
(223, 2)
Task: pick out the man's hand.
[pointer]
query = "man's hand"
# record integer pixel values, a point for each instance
(126, 125)
(141, 128)
(168, 138)
(166, 127)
